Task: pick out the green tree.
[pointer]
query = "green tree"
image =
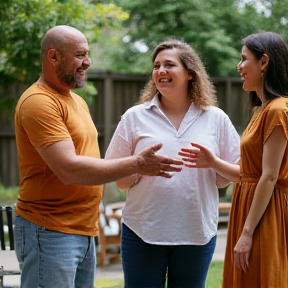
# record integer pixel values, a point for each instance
(275, 16)
(24, 23)
(215, 29)
(152, 21)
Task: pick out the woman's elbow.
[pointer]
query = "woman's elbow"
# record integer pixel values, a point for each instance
(272, 178)
(222, 185)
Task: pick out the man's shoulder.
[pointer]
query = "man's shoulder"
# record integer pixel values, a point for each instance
(30, 91)
(34, 89)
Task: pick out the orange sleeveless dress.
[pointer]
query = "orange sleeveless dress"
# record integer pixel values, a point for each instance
(268, 257)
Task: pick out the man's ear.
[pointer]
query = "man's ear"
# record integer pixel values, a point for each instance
(264, 62)
(52, 55)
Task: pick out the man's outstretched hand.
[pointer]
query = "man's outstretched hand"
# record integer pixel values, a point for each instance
(149, 163)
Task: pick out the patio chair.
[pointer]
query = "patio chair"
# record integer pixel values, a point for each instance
(110, 214)
(109, 238)
(6, 213)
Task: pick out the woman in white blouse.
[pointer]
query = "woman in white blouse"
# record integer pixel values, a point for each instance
(170, 224)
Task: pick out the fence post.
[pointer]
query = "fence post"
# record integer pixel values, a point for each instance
(228, 97)
(108, 108)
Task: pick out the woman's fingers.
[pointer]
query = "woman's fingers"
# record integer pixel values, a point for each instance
(241, 259)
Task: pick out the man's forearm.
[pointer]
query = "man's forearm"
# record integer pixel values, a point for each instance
(91, 171)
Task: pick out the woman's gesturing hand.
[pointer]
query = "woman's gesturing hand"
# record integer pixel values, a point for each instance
(197, 157)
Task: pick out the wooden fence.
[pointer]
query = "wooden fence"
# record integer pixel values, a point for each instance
(116, 93)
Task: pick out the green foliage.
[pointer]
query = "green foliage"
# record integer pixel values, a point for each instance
(8, 195)
(7, 105)
(274, 16)
(24, 23)
(229, 193)
(112, 54)
(88, 92)
(195, 22)
(226, 193)
(214, 28)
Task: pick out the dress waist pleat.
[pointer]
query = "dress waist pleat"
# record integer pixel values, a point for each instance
(281, 184)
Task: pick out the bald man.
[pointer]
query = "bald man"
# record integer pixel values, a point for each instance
(61, 170)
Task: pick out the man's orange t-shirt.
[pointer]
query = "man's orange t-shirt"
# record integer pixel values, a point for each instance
(43, 117)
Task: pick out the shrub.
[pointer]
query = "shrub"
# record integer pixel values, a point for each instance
(8, 195)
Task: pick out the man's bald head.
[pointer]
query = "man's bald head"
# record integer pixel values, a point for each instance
(65, 58)
(59, 37)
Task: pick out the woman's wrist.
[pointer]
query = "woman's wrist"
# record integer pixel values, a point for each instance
(247, 231)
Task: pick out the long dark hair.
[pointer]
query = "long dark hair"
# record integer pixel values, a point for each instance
(275, 76)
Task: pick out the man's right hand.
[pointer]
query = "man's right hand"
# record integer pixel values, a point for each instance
(149, 163)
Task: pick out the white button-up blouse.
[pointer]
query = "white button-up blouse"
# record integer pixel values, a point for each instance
(182, 210)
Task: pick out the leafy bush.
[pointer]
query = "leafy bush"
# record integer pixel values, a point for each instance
(8, 195)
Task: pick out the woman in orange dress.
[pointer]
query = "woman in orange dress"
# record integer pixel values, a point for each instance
(257, 247)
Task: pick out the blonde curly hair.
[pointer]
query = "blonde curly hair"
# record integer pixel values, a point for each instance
(201, 90)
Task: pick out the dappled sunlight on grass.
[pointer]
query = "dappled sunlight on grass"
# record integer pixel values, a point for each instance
(109, 283)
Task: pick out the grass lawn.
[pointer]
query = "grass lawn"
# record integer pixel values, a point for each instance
(214, 278)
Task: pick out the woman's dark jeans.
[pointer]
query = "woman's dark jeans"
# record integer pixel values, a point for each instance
(146, 265)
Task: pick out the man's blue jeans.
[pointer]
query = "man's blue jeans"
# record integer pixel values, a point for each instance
(145, 265)
(50, 259)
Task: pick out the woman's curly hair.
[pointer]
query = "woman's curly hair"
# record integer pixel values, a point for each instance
(201, 90)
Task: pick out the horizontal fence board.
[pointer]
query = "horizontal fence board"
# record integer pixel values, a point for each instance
(116, 93)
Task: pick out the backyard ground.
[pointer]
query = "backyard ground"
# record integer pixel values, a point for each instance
(214, 278)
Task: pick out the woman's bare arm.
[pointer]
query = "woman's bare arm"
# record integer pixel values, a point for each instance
(273, 152)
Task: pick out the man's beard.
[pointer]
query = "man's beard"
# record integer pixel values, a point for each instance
(70, 79)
